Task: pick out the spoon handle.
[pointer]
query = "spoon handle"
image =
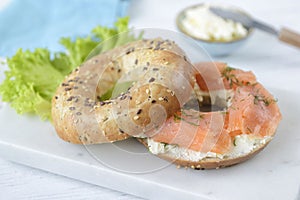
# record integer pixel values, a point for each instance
(288, 36)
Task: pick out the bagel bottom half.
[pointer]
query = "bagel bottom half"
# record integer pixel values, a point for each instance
(243, 124)
(207, 163)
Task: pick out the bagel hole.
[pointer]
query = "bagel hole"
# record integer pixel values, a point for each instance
(205, 104)
(115, 91)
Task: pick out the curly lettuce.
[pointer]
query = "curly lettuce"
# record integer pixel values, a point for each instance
(33, 76)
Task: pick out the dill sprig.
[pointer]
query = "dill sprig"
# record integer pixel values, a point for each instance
(261, 98)
(177, 118)
(231, 78)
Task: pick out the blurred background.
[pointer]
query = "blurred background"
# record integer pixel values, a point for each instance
(30, 23)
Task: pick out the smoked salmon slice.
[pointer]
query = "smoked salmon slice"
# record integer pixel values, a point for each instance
(200, 132)
(251, 110)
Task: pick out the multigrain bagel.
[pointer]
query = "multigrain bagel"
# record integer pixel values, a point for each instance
(80, 117)
(219, 138)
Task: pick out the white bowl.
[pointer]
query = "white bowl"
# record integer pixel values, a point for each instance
(215, 48)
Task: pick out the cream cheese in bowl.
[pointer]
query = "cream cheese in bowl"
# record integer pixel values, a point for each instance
(201, 23)
(217, 35)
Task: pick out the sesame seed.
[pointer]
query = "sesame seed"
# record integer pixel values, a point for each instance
(139, 111)
(184, 57)
(122, 97)
(136, 117)
(70, 98)
(160, 98)
(151, 80)
(128, 52)
(137, 102)
(104, 119)
(147, 91)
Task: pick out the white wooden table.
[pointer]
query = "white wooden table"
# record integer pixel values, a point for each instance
(20, 182)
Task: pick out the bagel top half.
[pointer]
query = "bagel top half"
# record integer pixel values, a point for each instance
(160, 82)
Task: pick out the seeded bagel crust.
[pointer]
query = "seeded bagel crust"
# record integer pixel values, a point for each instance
(162, 76)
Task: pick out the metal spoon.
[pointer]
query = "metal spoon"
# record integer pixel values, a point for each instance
(284, 34)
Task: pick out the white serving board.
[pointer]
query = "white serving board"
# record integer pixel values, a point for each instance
(273, 174)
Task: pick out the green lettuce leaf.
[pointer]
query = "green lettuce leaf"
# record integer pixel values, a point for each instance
(33, 76)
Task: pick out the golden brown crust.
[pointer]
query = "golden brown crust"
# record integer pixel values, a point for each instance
(80, 118)
(209, 163)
